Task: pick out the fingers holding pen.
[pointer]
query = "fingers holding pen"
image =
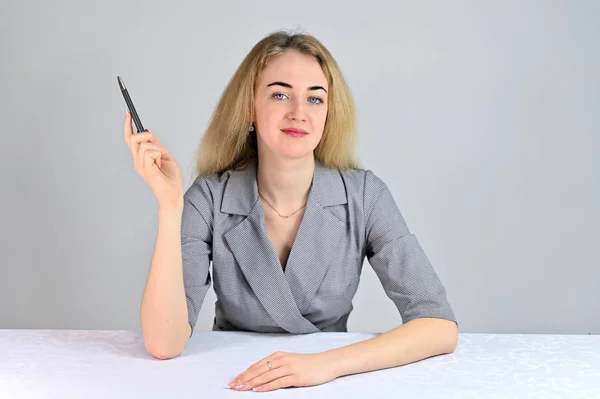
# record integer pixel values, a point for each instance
(148, 155)
(144, 145)
(141, 142)
(155, 164)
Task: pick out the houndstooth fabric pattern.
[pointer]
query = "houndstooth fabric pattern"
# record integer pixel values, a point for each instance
(350, 215)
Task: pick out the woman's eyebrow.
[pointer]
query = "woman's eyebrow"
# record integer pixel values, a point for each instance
(290, 86)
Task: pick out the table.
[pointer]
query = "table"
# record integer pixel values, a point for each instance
(114, 364)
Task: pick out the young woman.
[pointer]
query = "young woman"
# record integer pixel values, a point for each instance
(286, 215)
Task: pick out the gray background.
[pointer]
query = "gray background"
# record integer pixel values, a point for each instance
(481, 117)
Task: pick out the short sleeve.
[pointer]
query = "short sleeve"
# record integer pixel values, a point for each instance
(196, 246)
(397, 258)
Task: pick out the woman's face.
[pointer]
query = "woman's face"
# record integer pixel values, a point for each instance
(291, 94)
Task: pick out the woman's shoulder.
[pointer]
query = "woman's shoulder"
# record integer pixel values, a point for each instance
(211, 180)
(363, 180)
(204, 188)
(212, 188)
(369, 190)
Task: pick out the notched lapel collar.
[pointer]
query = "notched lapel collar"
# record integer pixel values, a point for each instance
(254, 253)
(313, 249)
(240, 194)
(318, 236)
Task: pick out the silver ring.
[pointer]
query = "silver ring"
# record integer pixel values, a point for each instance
(270, 365)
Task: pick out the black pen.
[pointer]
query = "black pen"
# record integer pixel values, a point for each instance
(136, 118)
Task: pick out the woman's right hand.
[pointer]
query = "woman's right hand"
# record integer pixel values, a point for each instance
(156, 165)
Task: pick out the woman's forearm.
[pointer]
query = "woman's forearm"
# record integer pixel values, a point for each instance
(163, 310)
(410, 342)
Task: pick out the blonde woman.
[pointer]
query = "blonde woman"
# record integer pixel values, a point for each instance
(282, 209)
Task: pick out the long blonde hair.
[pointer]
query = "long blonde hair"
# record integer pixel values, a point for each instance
(228, 142)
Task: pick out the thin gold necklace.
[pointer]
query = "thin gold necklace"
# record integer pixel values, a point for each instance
(282, 216)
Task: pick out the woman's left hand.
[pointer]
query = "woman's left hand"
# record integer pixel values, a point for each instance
(287, 370)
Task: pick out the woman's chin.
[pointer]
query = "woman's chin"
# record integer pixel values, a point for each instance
(295, 153)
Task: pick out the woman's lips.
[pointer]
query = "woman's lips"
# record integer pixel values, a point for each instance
(294, 132)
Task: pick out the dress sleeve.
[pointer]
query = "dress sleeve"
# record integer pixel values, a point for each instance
(397, 258)
(196, 246)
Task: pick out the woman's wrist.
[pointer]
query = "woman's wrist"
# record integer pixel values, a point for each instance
(171, 209)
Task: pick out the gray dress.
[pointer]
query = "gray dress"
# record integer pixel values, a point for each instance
(350, 215)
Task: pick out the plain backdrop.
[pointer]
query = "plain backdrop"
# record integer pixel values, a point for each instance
(482, 117)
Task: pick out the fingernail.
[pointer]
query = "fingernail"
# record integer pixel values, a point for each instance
(239, 386)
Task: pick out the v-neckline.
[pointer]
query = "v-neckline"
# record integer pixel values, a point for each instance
(291, 256)
(286, 294)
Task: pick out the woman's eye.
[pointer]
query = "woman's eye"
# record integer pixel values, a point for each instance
(312, 100)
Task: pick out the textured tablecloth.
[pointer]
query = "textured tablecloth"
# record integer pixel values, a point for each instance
(114, 364)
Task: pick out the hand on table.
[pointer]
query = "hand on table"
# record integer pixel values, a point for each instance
(287, 370)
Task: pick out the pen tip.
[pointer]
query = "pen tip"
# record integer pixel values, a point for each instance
(121, 84)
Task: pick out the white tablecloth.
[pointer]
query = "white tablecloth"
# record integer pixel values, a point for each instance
(114, 364)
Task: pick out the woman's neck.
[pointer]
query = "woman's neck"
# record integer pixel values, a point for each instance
(285, 183)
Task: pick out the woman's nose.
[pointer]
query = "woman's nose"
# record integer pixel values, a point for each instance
(297, 111)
